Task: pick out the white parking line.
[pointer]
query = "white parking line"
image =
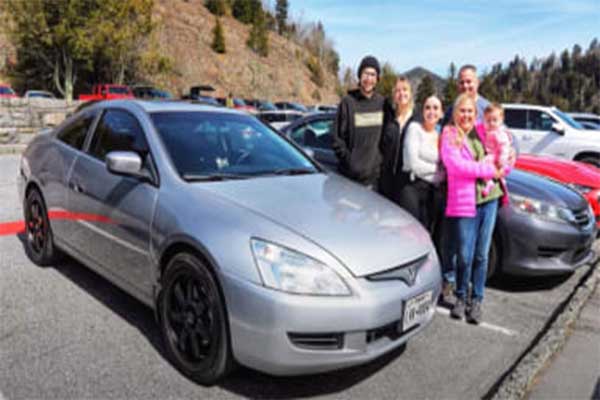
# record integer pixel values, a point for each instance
(485, 325)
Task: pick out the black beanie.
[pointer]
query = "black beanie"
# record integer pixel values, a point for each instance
(369, 62)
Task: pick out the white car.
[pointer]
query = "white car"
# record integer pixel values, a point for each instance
(547, 130)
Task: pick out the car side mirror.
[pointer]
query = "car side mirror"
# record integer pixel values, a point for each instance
(558, 128)
(126, 163)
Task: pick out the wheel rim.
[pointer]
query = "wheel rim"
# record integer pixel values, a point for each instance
(37, 228)
(192, 320)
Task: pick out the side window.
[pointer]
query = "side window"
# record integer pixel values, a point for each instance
(118, 130)
(74, 134)
(318, 134)
(314, 134)
(516, 119)
(539, 121)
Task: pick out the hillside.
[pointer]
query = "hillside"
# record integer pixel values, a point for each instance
(185, 34)
(416, 74)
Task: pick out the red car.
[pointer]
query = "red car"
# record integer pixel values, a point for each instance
(6, 91)
(584, 178)
(108, 92)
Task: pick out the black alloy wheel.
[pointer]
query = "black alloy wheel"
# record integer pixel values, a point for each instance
(39, 243)
(193, 321)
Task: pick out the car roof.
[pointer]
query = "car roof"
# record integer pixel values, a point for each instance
(169, 106)
(590, 115)
(527, 106)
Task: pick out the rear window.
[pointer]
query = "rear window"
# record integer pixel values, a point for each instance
(118, 90)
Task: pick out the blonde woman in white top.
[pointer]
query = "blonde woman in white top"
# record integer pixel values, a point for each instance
(421, 161)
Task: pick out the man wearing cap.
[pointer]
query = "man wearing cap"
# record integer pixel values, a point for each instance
(357, 127)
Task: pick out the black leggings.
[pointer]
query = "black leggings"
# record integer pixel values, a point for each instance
(422, 200)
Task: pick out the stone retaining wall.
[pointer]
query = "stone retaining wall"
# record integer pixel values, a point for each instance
(20, 117)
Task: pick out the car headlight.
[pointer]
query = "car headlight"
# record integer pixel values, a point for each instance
(293, 272)
(541, 209)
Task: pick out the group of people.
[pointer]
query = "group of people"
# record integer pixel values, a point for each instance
(452, 181)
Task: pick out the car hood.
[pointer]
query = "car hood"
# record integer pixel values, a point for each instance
(534, 186)
(363, 230)
(562, 170)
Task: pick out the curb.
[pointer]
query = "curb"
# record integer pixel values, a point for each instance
(517, 381)
(12, 149)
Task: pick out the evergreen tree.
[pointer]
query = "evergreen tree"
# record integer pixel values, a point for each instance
(451, 88)
(387, 80)
(217, 7)
(281, 15)
(258, 39)
(218, 43)
(426, 88)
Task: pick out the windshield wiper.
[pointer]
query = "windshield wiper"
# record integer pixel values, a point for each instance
(213, 177)
(293, 171)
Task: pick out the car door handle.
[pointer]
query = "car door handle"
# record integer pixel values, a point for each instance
(76, 187)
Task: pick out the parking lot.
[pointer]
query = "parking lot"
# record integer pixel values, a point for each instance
(65, 332)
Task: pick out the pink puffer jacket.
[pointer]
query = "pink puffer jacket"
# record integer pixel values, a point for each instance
(462, 172)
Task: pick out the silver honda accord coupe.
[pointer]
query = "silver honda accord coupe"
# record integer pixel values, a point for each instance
(246, 248)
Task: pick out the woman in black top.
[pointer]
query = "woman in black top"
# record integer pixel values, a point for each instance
(398, 116)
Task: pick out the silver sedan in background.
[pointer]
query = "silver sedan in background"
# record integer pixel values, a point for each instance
(246, 249)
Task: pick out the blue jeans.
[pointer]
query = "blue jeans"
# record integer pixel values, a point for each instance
(473, 237)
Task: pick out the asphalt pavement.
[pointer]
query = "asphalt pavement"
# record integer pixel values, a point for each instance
(67, 333)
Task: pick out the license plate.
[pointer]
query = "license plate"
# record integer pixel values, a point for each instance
(416, 310)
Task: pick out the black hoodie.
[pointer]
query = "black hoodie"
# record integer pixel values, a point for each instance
(356, 136)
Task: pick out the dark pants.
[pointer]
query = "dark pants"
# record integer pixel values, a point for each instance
(422, 200)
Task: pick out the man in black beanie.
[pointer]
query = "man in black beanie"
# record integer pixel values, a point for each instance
(357, 127)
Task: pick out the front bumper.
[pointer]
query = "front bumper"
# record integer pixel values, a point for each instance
(535, 247)
(263, 323)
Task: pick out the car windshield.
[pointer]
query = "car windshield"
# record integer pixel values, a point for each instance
(239, 102)
(299, 107)
(204, 145)
(6, 90)
(568, 119)
(118, 90)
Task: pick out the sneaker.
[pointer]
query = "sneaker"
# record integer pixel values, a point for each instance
(458, 310)
(446, 297)
(474, 313)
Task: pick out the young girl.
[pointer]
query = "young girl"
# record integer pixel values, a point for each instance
(498, 142)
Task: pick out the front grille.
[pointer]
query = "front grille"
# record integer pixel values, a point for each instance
(544, 251)
(318, 341)
(582, 217)
(406, 272)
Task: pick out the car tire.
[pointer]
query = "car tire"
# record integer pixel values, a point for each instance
(193, 320)
(593, 160)
(39, 239)
(493, 259)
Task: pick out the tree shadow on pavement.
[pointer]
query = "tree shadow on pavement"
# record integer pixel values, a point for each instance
(517, 284)
(243, 381)
(256, 385)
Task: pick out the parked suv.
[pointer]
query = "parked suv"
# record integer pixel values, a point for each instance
(547, 130)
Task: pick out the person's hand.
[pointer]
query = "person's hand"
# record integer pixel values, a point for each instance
(499, 173)
(512, 158)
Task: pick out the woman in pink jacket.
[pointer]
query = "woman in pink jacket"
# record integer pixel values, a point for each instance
(471, 215)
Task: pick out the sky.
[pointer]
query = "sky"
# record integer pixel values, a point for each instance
(432, 33)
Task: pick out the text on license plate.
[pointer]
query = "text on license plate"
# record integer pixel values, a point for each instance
(416, 310)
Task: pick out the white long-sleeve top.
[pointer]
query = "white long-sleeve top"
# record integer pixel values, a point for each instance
(421, 153)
